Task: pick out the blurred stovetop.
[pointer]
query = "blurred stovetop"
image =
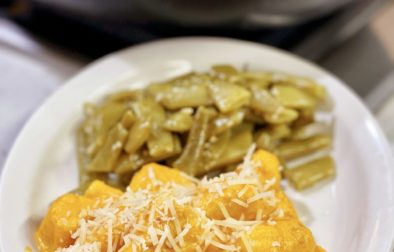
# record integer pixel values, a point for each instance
(317, 40)
(94, 36)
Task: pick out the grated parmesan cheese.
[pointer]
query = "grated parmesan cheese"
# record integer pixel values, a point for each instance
(172, 240)
(236, 223)
(82, 230)
(279, 213)
(242, 192)
(182, 234)
(268, 196)
(116, 146)
(151, 173)
(139, 216)
(246, 165)
(173, 213)
(246, 243)
(161, 241)
(240, 203)
(223, 246)
(224, 210)
(275, 244)
(151, 215)
(109, 237)
(250, 181)
(219, 233)
(271, 222)
(269, 183)
(153, 235)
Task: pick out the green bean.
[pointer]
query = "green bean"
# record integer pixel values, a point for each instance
(256, 84)
(229, 97)
(263, 101)
(309, 174)
(263, 140)
(158, 90)
(297, 148)
(148, 109)
(160, 142)
(90, 111)
(180, 96)
(138, 135)
(125, 95)
(108, 116)
(224, 70)
(105, 118)
(303, 83)
(240, 140)
(190, 159)
(226, 121)
(150, 117)
(215, 147)
(268, 138)
(312, 129)
(203, 123)
(105, 159)
(254, 117)
(85, 177)
(151, 111)
(128, 119)
(262, 77)
(82, 156)
(279, 131)
(161, 145)
(281, 115)
(177, 145)
(88, 128)
(183, 77)
(293, 97)
(308, 85)
(129, 163)
(305, 116)
(180, 121)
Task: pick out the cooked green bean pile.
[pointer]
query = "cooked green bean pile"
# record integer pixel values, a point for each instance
(204, 123)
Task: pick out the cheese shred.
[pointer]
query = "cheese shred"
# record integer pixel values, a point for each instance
(156, 218)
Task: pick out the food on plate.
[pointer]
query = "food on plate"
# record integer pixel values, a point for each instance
(310, 173)
(165, 209)
(203, 123)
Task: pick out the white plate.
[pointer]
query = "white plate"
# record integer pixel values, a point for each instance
(352, 213)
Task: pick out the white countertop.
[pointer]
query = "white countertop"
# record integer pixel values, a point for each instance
(29, 71)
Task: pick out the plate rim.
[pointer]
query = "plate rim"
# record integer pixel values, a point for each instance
(67, 84)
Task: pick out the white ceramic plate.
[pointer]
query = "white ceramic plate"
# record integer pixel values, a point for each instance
(355, 212)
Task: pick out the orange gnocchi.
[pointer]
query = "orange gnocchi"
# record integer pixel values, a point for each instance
(165, 210)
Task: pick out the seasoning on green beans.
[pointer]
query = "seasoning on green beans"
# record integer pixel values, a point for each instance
(204, 123)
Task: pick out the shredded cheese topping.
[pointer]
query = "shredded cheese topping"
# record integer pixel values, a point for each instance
(154, 217)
